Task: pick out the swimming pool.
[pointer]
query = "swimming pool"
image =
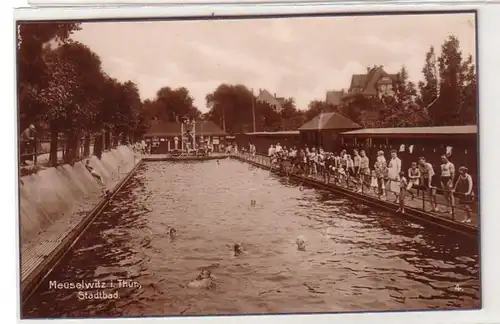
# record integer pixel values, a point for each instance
(357, 258)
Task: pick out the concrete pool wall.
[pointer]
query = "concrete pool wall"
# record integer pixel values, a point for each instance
(57, 205)
(56, 193)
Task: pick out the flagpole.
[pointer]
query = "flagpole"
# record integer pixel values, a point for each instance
(253, 111)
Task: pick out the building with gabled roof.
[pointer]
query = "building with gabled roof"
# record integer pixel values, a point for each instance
(375, 83)
(275, 102)
(324, 129)
(334, 98)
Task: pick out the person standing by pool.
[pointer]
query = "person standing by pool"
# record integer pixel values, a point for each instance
(329, 161)
(313, 161)
(403, 183)
(414, 179)
(307, 161)
(463, 187)
(356, 161)
(293, 159)
(428, 180)
(278, 148)
(351, 176)
(27, 143)
(394, 168)
(270, 151)
(447, 180)
(364, 170)
(302, 160)
(381, 174)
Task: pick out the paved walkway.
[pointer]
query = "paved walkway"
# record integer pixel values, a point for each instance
(458, 212)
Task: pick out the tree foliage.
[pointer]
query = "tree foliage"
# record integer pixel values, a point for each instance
(33, 73)
(456, 103)
(61, 86)
(446, 96)
(232, 107)
(429, 87)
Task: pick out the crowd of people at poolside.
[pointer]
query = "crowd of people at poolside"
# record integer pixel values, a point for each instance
(381, 176)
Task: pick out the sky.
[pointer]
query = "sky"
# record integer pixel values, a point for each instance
(291, 57)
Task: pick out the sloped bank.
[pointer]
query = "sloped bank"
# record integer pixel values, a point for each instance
(57, 204)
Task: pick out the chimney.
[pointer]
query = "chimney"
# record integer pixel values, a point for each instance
(368, 69)
(275, 95)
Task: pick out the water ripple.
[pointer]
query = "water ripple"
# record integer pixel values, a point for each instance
(357, 259)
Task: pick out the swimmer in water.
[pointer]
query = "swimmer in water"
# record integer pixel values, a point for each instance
(172, 232)
(253, 203)
(94, 173)
(237, 250)
(204, 280)
(301, 243)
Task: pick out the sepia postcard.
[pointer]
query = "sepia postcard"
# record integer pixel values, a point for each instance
(248, 165)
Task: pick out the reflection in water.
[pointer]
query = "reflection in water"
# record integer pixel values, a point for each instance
(357, 259)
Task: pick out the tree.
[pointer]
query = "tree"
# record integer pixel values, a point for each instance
(231, 108)
(57, 97)
(446, 111)
(80, 116)
(468, 106)
(33, 73)
(316, 107)
(292, 118)
(62, 85)
(365, 111)
(428, 89)
(174, 103)
(401, 109)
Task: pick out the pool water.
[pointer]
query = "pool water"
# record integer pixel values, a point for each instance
(356, 258)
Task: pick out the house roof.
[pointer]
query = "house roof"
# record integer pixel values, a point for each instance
(409, 131)
(358, 80)
(205, 128)
(284, 133)
(367, 82)
(267, 97)
(332, 120)
(334, 97)
(281, 101)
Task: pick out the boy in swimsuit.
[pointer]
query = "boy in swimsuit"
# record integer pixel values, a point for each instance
(429, 181)
(414, 179)
(447, 180)
(364, 170)
(403, 183)
(463, 186)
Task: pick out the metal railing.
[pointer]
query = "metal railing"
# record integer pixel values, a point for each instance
(37, 151)
(457, 206)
